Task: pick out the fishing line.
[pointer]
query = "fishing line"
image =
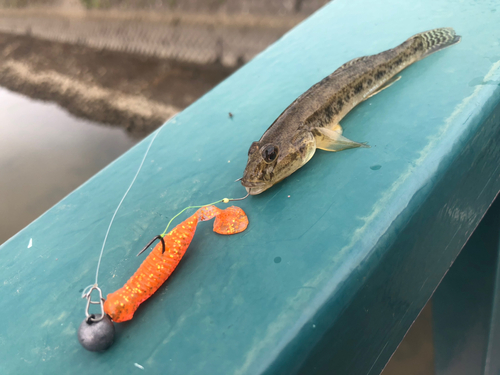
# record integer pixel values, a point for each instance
(85, 291)
(225, 200)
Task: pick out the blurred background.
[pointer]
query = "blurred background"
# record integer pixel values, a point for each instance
(82, 81)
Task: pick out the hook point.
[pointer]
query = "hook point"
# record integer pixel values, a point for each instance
(153, 240)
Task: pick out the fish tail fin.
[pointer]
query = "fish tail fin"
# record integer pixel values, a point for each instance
(436, 40)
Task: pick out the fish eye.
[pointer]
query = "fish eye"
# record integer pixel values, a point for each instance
(269, 153)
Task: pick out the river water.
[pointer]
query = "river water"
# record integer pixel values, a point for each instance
(45, 153)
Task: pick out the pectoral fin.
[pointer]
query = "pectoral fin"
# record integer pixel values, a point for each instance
(330, 140)
(384, 86)
(337, 128)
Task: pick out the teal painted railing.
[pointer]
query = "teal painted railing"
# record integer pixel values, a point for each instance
(339, 258)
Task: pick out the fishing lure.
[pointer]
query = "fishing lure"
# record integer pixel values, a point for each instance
(96, 332)
(164, 258)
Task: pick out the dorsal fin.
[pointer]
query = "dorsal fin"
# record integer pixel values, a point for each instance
(349, 64)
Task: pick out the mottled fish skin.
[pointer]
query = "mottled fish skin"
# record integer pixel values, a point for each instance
(312, 120)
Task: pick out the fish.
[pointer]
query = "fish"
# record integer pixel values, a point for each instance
(312, 121)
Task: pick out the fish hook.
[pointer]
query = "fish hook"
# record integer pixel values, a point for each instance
(237, 199)
(153, 240)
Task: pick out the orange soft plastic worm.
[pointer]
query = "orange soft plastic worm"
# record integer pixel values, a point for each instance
(157, 267)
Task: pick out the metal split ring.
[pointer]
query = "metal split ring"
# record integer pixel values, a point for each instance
(92, 317)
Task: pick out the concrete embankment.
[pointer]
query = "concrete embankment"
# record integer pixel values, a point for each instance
(132, 91)
(135, 65)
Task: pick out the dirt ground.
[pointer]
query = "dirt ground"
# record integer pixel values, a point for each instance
(136, 92)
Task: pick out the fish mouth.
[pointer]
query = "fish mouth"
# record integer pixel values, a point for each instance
(247, 183)
(254, 187)
(256, 190)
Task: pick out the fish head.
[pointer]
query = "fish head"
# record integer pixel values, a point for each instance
(270, 161)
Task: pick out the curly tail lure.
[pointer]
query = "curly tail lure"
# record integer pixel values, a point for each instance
(164, 258)
(96, 332)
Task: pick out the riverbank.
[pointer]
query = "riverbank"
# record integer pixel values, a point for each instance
(132, 91)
